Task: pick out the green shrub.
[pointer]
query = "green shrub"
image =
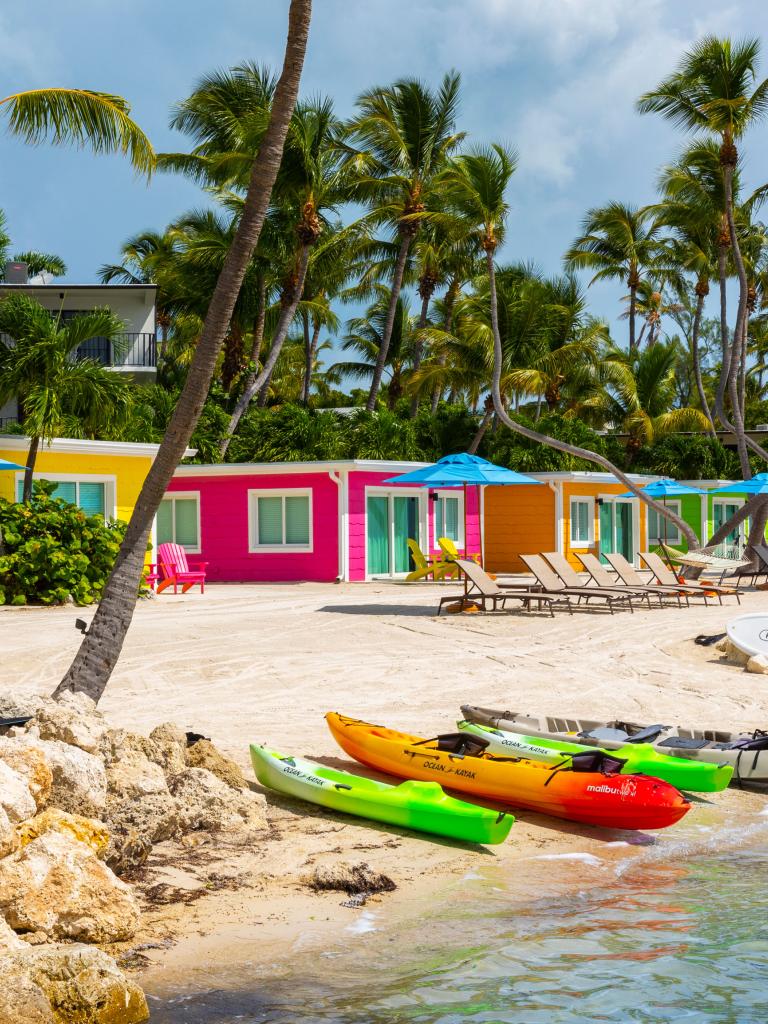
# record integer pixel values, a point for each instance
(50, 550)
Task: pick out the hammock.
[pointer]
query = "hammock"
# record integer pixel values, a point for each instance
(703, 559)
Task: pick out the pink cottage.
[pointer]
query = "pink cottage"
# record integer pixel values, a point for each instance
(320, 521)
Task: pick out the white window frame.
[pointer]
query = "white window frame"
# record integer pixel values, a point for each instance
(110, 487)
(391, 493)
(254, 548)
(457, 496)
(674, 506)
(186, 495)
(590, 502)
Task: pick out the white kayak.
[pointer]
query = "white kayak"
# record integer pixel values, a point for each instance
(749, 633)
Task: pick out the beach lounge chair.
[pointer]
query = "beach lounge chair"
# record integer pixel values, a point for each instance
(552, 584)
(602, 578)
(571, 578)
(426, 567)
(175, 571)
(480, 589)
(629, 575)
(451, 552)
(664, 575)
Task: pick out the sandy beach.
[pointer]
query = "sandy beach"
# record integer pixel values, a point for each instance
(265, 662)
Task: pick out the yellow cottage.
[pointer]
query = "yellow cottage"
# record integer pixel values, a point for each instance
(571, 513)
(102, 477)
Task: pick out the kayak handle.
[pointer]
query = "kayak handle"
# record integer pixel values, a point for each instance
(341, 785)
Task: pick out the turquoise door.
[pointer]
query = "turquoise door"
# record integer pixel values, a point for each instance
(377, 535)
(606, 530)
(731, 546)
(624, 533)
(390, 521)
(616, 530)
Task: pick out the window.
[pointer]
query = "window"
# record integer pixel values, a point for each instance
(448, 518)
(280, 521)
(89, 495)
(582, 522)
(178, 521)
(660, 530)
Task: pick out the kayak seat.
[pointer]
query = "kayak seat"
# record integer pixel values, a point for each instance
(681, 743)
(649, 734)
(605, 733)
(461, 743)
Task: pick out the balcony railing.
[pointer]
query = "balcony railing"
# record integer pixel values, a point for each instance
(131, 350)
(6, 421)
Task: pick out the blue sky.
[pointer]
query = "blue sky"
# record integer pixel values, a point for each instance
(556, 78)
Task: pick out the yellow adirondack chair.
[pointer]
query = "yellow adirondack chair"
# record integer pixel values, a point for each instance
(451, 552)
(425, 567)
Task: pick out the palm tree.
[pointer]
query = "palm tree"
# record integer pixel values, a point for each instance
(642, 403)
(477, 188)
(97, 120)
(398, 145)
(715, 91)
(310, 188)
(57, 392)
(364, 336)
(92, 667)
(618, 242)
(41, 263)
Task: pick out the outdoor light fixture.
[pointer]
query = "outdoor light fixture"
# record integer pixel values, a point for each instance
(82, 625)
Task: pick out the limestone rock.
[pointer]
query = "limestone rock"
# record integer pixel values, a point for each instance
(8, 938)
(734, 654)
(9, 840)
(55, 985)
(203, 754)
(208, 803)
(170, 743)
(58, 885)
(135, 825)
(73, 719)
(15, 797)
(355, 879)
(723, 645)
(133, 775)
(29, 762)
(19, 705)
(79, 778)
(758, 664)
(84, 830)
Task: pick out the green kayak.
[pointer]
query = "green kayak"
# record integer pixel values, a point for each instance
(418, 805)
(641, 758)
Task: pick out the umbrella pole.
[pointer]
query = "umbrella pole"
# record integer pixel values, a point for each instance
(466, 539)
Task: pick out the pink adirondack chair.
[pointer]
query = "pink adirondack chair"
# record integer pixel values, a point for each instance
(173, 570)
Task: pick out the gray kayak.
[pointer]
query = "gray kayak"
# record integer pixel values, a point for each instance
(746, 752)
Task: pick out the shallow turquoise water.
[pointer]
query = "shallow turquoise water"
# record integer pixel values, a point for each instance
(657, 939)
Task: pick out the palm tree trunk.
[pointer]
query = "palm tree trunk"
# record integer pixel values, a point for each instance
(419, 350)
(742, 384)
(735, 358)
(100, 649)
(262, 379)
(258, 325)
(29, 469)
(312, 354)
(632, 315)
(563, 446)
(450, 298)
(697, 364)
(757, 530)
(484, 424)
(307, 358)
(389, 323)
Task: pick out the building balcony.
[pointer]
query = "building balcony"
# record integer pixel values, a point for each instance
(132, 352)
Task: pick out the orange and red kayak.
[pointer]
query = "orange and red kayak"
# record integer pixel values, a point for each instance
(610, 800)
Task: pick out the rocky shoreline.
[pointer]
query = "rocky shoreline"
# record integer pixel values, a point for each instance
(81, 807)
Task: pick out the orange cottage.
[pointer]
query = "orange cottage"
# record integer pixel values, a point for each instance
(568, 512)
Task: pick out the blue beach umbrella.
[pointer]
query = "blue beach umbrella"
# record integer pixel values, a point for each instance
(757, 485)
(461, 470)
(665, 488)
(4, 464)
